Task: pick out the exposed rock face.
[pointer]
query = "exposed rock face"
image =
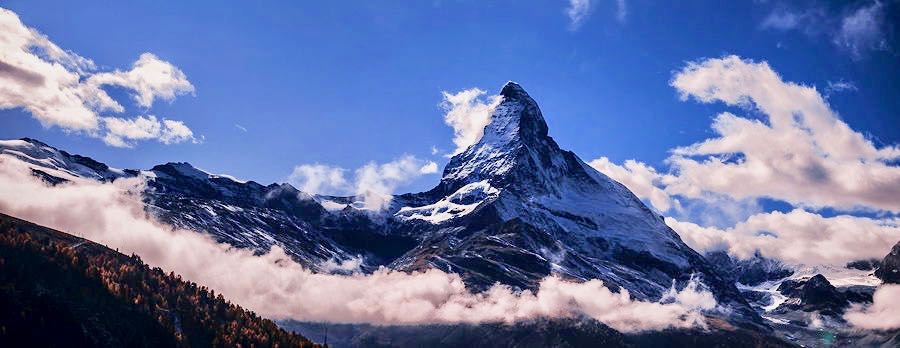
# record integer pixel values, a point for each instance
(512, 208)
(819, 295)
(889, 272)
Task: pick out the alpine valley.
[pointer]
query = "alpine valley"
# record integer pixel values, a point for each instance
(513, 209)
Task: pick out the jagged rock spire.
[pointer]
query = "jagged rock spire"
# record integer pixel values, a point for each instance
(517, 128)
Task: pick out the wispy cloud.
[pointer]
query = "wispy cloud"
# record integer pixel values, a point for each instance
(853, 29)
(839, 86)
(578, 12)
(862, 30)
(782, 20)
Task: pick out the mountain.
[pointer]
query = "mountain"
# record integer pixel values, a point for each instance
(752, 271)
(512, 208)
(60, 290)
(571, 332)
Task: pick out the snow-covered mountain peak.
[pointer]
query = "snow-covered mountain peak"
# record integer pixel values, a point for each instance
(518, 108)
(515, 140)
(181, 169)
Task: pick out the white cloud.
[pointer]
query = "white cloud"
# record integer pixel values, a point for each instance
(175, 132)
(862, 30)
(578, 11)
(640, 178)
(150, 78)
(60, 88)
(801, 152)
(274, 286)
(804, 154)
(46, 87)
(429, 168)
(468, 113)
(881, 314)
(797, 237)
(318, 178)
(374, 183)
(122, 132)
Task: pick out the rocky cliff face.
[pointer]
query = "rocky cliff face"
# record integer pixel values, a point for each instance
(889, 271)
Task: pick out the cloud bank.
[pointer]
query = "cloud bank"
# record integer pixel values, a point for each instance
(797, 237)
(803, 153)
(881, 314)
(795, 149)
(62, 89)
(275, 286)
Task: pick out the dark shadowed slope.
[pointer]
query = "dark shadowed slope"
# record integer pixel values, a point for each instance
(512, 208)
(63, 291)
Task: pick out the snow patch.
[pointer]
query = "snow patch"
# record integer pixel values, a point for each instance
(332, 206)
(460, 203)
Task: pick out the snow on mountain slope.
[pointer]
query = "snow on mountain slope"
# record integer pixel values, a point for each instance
(459, 203)
(512, 208)
(548, 213)
(62, 164)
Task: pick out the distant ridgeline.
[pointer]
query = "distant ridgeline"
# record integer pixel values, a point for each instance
(60, 290)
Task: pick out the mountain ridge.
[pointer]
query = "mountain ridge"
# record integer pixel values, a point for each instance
(512, 208)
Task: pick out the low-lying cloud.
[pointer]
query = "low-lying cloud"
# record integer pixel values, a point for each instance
(275, 286)
(881, 314)
(374, 183)
(797, 237)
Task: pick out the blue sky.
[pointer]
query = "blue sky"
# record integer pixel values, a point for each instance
(344, 84)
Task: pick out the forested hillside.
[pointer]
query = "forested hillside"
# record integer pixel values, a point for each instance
(60, 290)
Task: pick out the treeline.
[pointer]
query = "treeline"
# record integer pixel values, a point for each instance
(58, 290)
